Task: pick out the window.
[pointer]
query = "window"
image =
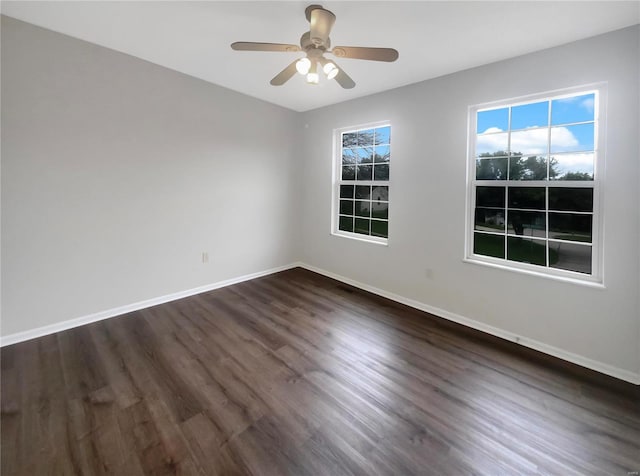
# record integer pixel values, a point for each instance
(534, 188)
(361, 185)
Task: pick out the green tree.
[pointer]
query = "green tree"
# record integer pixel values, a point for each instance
(532, 167)
(492, 166)
(577, 176)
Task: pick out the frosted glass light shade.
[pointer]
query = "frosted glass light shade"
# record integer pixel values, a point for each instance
(303, 65)
(330, 70)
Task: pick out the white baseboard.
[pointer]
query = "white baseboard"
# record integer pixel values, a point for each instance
(118, 311)
(495, 331)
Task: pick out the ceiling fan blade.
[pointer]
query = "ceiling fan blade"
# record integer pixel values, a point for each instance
(253, 46)
(321, 21)
(284, 75)
(344, 80)
(364, 53)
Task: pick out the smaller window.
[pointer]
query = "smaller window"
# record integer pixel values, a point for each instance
(361, 182)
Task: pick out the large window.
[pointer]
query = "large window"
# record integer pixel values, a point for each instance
(361, 193)
(534, 188)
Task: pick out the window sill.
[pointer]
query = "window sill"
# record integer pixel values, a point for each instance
(589, 282)
(365, 238)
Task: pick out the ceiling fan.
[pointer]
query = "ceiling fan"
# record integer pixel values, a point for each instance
(315, 43)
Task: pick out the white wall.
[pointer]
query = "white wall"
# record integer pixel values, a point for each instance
(117, 174)
(427, 210)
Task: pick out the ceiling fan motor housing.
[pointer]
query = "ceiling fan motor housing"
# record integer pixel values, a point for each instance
(307, 44)
(321, 22)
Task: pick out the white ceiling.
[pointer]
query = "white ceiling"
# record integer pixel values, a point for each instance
(433, 38)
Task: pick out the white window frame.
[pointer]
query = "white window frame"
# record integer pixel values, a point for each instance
(337, 181)
(596, 278)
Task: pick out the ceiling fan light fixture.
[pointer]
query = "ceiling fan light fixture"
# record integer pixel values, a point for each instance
(303, 65)
(330, 69)
(312, 76)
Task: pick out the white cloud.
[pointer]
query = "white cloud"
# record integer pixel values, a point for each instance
(588, 104)
(492, 142)
(574, 163)
(528, 141)
(563, 139)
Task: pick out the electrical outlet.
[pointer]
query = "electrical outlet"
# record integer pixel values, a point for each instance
(205, 257)
(428, 273)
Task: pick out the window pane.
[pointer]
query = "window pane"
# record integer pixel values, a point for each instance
(363, 208)
(380, 228)
(382, 154)
(489, 219)
(492, 145)
(572, 166)
(365, 155)
(490, 197)
(346, 191)
(345, 224)
(380, 193)
(527, 197)
(572, 138)
(573, 109)
(383, 135)
(571, 199)
(568, 226)
(488, 245)
(526, 250)
(348, 156)
(348, 172)
(527, 223)
(530, 115)
(362, 226)
(530, 142)
(365, 138)
(570, 256)
(365, 172)
(350, 139)
(491, 169)
(363, 191)
(528, 168)
(380, 210)
(381, 172)
(346, 207)
(494, 120)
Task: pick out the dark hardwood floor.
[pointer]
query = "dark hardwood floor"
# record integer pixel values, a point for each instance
(296, 374)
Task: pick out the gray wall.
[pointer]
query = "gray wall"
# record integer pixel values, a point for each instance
(117, 174)
(427, 210)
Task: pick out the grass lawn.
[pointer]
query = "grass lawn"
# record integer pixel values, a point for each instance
(518, 249)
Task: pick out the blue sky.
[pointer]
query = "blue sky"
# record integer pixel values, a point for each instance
(564, 111)
(572, 131)
(526, 119)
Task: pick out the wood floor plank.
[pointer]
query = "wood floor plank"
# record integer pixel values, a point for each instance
(299, 374)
